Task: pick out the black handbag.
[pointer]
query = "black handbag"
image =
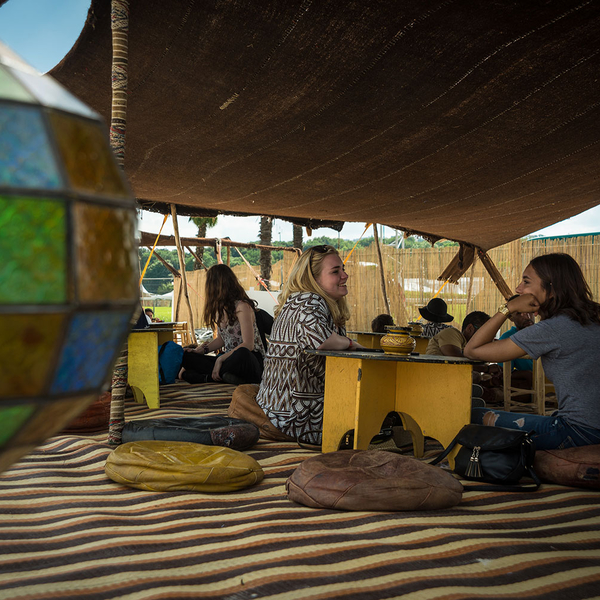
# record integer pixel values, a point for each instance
(493, 455)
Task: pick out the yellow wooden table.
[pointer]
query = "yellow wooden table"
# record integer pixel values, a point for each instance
(361, 388)
(370, 339)
(142, 362)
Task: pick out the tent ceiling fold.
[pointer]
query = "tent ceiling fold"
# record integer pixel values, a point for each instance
(467, 120)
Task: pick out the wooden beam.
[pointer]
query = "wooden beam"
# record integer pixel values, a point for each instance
(169, 240)
(173, 270)
(496, 276)
(198, 259)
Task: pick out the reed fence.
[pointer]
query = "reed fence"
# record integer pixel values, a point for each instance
(411, 278)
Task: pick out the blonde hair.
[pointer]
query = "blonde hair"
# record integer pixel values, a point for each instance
(303, 278)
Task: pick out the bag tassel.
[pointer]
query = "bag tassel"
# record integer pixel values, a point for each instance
(474, 467)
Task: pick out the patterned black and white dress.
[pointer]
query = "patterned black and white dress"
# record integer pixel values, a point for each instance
(293, 384)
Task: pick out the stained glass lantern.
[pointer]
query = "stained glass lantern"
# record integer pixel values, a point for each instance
(68, 258)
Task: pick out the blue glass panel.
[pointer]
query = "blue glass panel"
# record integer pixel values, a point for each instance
(91, 344)
(11, 89)
(50, 93)
(26, 158)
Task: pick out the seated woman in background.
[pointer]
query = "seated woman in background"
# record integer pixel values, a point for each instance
(380, 322)
(228, 308)
(568, 340)
(311, 314)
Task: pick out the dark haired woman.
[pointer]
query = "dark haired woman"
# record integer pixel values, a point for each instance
(229, 309)
(568, 340)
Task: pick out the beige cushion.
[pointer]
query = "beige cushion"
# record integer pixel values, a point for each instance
(372, 480)
(575, 467)
(161, 466)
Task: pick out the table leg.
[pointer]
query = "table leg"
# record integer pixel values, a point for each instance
(142, 362)
(358, 395)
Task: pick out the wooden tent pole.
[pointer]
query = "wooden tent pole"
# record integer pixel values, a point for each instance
(183, 275)
(196, 257)
(119, 17)
(496, 276)
(173, 271)
(384, 291)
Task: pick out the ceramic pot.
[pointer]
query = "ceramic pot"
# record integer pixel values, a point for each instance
(397, 340)
(415, 328)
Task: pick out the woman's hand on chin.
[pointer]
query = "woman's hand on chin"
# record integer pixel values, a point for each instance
(527, 303)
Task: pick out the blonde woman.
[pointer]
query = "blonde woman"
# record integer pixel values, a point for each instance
(311, 314)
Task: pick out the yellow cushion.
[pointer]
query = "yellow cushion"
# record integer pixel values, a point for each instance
(161, 466)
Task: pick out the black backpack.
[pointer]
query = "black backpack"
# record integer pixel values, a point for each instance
(264, 322)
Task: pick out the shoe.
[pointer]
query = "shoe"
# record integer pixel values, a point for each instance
(232, 379)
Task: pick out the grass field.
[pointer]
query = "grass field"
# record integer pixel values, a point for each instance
(161, 312)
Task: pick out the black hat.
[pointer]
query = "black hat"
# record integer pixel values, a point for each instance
(436, 311)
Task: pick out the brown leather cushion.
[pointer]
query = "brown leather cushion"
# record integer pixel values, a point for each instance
(372, 480)
(575, 467)
(94, 418)
(244, 406)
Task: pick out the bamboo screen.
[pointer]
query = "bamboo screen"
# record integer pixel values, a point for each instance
(411, 278)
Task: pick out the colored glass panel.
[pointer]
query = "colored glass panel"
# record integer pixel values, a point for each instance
(52, 418)
(106, 252)
(33, 247)
(88, 352)
(27, 360)
(11, 454)
(87, 156)
(11, 89)
(26, 158)
(50, 93)
(12, 419)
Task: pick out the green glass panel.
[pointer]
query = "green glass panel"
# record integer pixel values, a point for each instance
(107, 262)
(27, 361)
(33, 247)
(26, 156)
(87, 156)
(51, 418)
(50, 93)
(11, 89)
(12, 419)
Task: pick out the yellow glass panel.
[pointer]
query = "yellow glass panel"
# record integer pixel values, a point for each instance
(31, 350)
(107, 263)
(87, 156)
(52, 418)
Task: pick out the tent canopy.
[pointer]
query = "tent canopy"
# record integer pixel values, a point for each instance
(460, 119)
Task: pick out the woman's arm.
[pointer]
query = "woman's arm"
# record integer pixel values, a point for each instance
(206, 347)
(482, 345)
(340, 342)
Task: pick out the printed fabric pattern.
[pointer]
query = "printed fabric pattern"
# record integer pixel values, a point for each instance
(293, 385)
(231, 335)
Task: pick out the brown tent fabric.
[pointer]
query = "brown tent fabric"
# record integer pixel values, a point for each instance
(467, 120)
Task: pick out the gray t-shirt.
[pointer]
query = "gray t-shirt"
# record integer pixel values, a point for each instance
(571, 358)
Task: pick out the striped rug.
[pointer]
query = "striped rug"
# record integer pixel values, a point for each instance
(68, 532)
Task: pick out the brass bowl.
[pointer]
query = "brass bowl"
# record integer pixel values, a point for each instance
(397, 340)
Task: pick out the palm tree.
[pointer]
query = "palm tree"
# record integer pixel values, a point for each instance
(266, 234)
(202, 223)
(297, 233)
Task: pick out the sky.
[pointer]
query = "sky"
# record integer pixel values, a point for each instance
(43, 31)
